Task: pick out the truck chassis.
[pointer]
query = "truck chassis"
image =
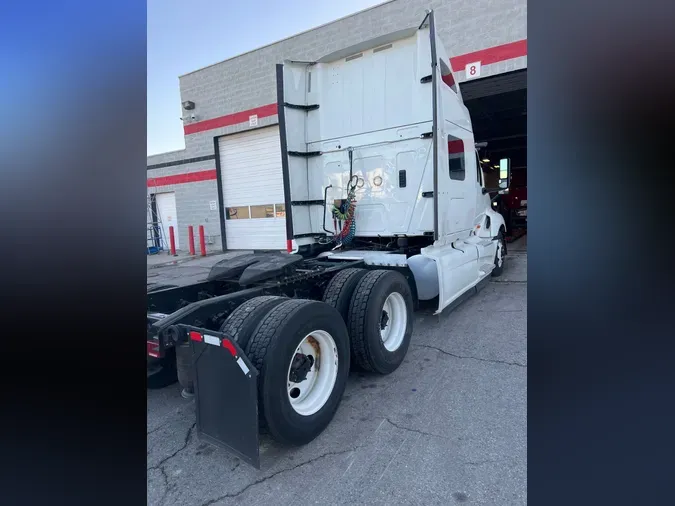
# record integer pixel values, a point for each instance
(198, 318)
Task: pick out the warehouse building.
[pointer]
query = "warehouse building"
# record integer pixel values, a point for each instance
(228, 178)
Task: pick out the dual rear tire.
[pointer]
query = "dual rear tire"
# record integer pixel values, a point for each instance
(301, 351)
(301, 348)
(377, 308)
(380, 321)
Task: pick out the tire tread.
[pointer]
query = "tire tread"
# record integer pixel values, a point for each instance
(238, 317)
(334, 288)
(357, 317)
(260, 342)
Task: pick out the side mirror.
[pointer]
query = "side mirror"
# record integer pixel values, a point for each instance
(504, 174)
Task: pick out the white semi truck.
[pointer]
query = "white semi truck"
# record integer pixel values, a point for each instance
(385, 207)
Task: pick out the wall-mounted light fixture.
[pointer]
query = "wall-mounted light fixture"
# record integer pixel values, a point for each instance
(188, 105)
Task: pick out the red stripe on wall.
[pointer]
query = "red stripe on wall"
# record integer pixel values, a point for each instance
(491, 55)
(230, 119)
(485, 56)
(190, 177)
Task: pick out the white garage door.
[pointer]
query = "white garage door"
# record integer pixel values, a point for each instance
(253, 190)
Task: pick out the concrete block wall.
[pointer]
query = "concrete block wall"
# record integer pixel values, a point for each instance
(248, 82)
(192, 201)
(169, 156)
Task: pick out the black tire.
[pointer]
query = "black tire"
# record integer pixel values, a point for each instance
(339, 293)
(365, 318)
(271, 349)
(243, 321)
(497, 271)
(166, 374)
(340, 289)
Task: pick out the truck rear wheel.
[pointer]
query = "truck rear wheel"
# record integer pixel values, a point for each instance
(243, 321)
(301, 351)
(340, 289)
(339, 293)
(380, 321)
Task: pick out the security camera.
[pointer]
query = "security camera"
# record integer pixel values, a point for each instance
(192, 116)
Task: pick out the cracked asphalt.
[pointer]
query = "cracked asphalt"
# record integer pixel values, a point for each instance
(448, 427)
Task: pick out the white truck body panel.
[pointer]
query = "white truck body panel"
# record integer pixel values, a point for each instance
(374, 102)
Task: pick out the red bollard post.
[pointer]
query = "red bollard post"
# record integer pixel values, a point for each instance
(191, 239)
(202, 241)
(172, 241)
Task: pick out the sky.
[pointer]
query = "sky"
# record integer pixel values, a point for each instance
(185, 35)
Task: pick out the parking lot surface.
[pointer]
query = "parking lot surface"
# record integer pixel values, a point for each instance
(448, 427)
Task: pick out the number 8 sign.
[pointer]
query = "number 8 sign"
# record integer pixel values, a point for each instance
(472, 70)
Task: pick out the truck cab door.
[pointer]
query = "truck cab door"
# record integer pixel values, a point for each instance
(456, 260)
(455, 193)
(456, 188)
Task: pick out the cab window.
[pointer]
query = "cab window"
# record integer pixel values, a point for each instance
(456, 158)
(479, 170)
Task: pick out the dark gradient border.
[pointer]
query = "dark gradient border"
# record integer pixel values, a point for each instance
(600, 379)
(72, 267)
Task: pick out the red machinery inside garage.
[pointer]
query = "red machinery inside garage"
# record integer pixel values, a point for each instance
(498, 107)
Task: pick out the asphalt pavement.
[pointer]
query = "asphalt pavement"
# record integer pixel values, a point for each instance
(447, 427)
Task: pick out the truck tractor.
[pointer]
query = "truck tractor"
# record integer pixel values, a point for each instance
(385, 207)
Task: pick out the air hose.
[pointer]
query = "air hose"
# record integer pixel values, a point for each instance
(345, 213)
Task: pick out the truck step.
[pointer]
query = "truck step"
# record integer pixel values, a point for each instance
(486, 269)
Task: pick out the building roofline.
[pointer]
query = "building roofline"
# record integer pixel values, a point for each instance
(288, 38)
(173, 151)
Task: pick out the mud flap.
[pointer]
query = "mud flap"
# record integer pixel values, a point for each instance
(226, 394)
